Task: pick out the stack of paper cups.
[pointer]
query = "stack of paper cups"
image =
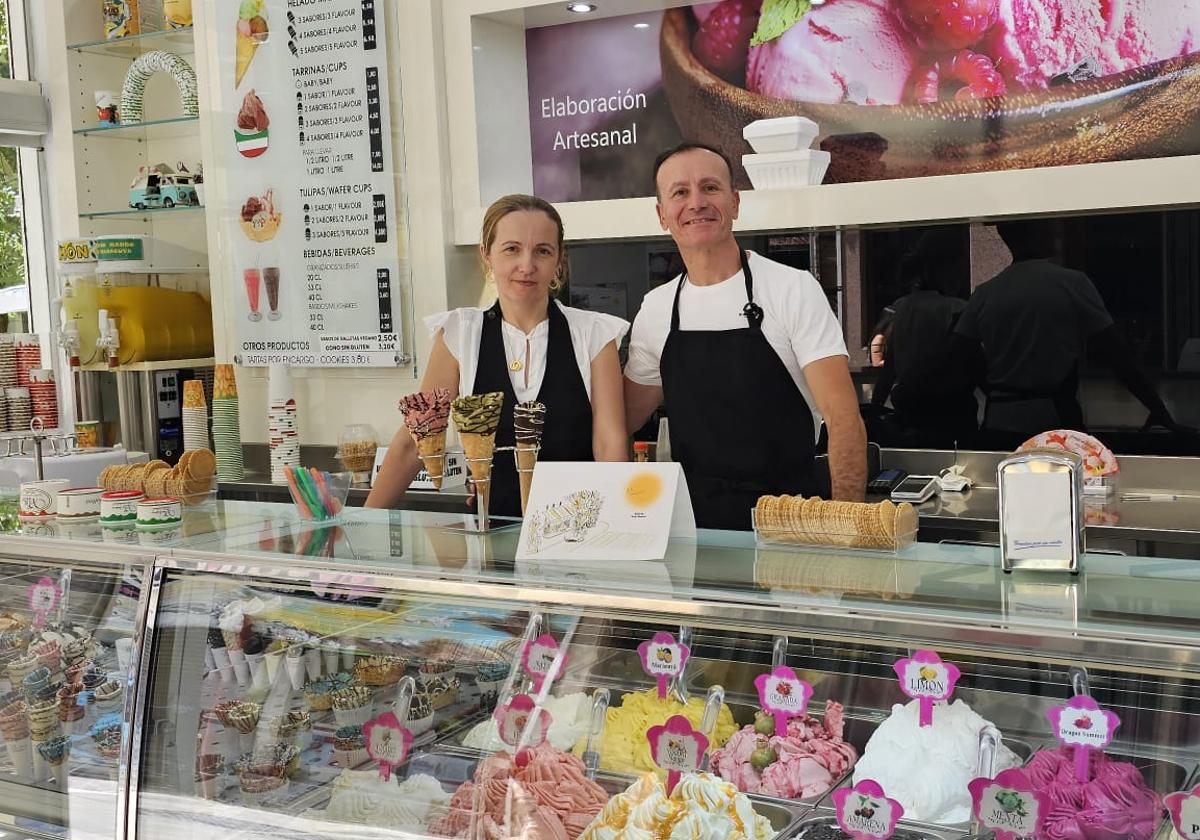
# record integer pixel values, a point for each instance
(195, 416)
(227, 430)
(20, 409)
(28, 354)
(44, 395)
(8, 361)
(283, 430)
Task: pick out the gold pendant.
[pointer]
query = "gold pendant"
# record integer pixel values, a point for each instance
(515, 365)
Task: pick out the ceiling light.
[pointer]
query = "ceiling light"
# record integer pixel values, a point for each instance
(581, 8)
(641, 25)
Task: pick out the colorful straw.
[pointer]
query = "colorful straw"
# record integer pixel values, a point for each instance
(312, 491)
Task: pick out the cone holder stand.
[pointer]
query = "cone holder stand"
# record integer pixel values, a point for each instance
(478, 519)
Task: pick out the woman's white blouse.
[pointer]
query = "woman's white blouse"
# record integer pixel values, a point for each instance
(462, 329)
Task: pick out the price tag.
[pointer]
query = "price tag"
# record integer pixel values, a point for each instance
(926, 679)
(514, 719)
(865, 813)
(537, 658)
(1184, 808)
(387, 742)
(663, 658)
(43, 599)
(783, 695)
(1084, 725)
(677, 748)
(1009, 805)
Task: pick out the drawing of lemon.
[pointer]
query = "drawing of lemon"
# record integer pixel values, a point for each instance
(643, 490)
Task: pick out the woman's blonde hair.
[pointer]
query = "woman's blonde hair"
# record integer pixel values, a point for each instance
(517, 203)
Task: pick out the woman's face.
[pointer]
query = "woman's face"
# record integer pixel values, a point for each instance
(524, 257)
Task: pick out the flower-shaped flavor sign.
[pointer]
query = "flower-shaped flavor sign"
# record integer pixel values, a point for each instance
(783, 695)
(1082, 724)
(664, 659)
(43, 599)
(1009, 805)
(1184, 808)
(677, 748)
(538, 657)
(387, 742)
(865, 813)
(927, 679)
(522, 725)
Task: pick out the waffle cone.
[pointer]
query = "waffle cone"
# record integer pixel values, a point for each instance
(432, 449)
(527, 457)
(479, 449)
(246, 48)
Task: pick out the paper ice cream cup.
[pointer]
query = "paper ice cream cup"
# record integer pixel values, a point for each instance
(258, 669)
(330, 657)
(240, 667)
(273, 661)
(20, 753)
(221, 657)
(295, 671)
(347, 652)
(312, 664)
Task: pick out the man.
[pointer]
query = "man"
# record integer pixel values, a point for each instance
(1032, 321)
(744, 352)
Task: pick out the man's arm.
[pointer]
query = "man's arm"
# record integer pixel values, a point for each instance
(836, 398)
(640, 403)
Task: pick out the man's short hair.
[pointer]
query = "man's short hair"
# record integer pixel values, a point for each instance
(1029, 239)
(687, 147)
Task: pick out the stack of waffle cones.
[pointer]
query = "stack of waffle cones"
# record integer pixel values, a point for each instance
(425, 416)
(528, 420)
(477, 417)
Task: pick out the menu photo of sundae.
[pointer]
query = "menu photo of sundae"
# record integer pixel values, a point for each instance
(260, 218)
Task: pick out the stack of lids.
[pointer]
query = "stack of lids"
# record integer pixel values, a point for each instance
(195, 416)
(226, 426)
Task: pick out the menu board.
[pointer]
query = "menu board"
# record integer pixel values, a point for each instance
(311, 215)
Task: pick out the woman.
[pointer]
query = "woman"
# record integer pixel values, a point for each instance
(529, 347)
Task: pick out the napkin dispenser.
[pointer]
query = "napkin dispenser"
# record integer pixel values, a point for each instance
(1041, 511)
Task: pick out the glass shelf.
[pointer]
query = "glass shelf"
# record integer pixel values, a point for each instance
(134, 213)
(177, 40)
(150, 129)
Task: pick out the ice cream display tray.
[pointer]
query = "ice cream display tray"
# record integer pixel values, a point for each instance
(454, 765)
(822, 825)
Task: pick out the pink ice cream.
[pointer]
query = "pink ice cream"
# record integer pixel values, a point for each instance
(1035, 40)
(810, 759)
(842, 51)
(548, 797)
(1116, 803)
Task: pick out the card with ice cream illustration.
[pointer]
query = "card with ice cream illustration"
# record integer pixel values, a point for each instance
(865, 813)
(387, 742)
(538, 658)
(783, 695)
(522, 723)
(927, 679)
(677, 748)
(663, 659)
(1082, 724)
(1184, 808)
(1008, 805)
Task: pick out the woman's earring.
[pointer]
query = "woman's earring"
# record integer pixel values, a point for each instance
(489, 276)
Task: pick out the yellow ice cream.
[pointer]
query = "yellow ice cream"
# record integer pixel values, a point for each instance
(625, 748)
(702, 807)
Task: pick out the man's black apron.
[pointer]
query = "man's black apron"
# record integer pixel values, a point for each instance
(739, 425)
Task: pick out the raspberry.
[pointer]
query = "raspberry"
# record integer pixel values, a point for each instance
(974, 71)
(951, 24)
(723, 42)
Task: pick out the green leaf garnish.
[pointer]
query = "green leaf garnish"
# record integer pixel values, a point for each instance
(778, 16)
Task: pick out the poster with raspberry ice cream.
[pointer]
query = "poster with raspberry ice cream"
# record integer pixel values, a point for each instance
(898, 88)
(310, 209)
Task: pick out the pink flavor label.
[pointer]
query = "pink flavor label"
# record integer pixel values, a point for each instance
(865, 813)
(513, 719)
(1082, 723)
(677, 748)
(783, 695)
(1008, 805)
(537, 658)
(43, 599)
(663, 658)
(927, 679)
(1184, 808)
(387, 742)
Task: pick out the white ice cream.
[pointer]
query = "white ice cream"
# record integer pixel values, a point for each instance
(927, 769)
(569, 718)
(361, 797)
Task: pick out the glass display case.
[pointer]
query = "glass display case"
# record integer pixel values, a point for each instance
(70, 633)
(277, 655)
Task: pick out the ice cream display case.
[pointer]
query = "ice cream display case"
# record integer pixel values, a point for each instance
(397, 675)
(70, 632)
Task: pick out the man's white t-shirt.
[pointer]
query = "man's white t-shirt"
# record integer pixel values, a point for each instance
(797, 321)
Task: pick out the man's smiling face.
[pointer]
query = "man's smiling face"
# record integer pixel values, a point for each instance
(696, 200)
